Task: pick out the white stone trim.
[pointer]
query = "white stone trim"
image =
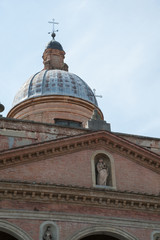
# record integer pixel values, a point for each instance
(105, 230)
(112, 169)
(79, 218)
(14, 230)
(17, 133)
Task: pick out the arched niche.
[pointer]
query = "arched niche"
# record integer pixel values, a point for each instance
(51, 228)
(155, 235)
(105, 233)
(108, 161)
(12, 232)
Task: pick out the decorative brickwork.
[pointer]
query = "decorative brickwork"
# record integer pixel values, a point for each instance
(74, 195)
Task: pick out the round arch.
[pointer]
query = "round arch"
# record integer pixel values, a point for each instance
(102, 230)
(14, 231)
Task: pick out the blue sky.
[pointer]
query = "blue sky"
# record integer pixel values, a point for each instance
(113, 45)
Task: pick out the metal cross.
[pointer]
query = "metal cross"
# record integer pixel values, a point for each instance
(53, 22)
(94, 91)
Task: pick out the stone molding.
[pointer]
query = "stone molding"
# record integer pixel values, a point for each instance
(79, 218)
(50, 99)
(14, 230)
(14, 133)
(112, 199)
(94, 140)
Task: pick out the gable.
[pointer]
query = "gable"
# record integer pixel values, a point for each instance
(133, 177)
(63, 171)
(78, 169)
(53, 148)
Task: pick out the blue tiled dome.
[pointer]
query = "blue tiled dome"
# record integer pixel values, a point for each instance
(55, 82)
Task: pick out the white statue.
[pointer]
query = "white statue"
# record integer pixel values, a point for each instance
(102, 175)
(48, 234)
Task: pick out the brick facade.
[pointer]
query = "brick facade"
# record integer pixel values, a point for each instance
(59, 188)
(49, 173)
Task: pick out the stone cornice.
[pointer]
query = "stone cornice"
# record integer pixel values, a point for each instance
(94, 140)
(34, 192)
(80, 218)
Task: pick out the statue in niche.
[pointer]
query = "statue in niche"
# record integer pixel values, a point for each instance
(48, 234)
(102, 172)
(157, 237)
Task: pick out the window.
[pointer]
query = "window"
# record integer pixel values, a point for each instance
(67, 123)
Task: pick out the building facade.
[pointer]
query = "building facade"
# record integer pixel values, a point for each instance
(64, 175)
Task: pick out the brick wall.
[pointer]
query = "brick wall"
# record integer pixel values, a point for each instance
(75, 169)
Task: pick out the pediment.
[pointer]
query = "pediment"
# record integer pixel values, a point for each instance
(108, 140)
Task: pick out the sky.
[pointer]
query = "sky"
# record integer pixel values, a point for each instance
(113, 45)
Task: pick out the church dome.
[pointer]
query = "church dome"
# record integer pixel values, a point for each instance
(55, 95)
(54, 45)
(55, 82)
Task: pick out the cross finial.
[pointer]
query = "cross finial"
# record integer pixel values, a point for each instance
(53, 31)
(94, 91)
